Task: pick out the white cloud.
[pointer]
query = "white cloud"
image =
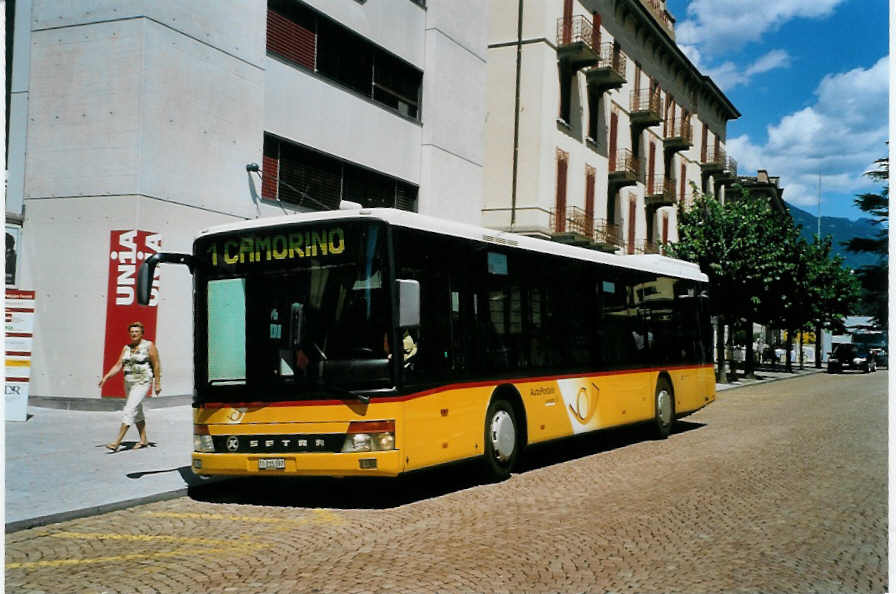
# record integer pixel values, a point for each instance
(718, 26)
(838, 136)
(728, 75)
(770, 61)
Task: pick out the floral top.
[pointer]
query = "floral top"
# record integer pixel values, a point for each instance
(137, 364)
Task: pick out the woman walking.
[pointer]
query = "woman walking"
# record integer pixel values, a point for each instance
(142, 371)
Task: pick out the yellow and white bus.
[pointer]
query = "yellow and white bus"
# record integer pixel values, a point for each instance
(379, 341)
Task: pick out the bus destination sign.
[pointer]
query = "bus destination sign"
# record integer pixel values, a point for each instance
(263, 248)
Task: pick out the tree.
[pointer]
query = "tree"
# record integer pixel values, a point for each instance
(816, 290)
(874, 278)
(737, 245)
(834, 291)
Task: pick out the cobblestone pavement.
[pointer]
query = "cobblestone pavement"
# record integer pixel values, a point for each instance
(773, 488)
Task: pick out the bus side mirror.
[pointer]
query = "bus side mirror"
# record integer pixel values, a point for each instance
(148, 270)
(408, 292)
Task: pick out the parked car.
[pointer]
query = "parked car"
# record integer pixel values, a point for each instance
(849, 356)
(880, 356)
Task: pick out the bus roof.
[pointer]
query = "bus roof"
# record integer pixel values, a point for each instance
(653, 263)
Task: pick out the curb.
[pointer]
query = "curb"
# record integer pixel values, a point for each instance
(91, 511)
(795, 375)
(95, 510)
(104, 404)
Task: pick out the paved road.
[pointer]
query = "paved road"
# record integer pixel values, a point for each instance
(777, 487)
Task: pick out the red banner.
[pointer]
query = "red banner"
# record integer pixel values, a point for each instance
(127, 250)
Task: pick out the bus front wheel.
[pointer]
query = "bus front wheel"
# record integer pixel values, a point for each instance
(664, 401)
(501, 439)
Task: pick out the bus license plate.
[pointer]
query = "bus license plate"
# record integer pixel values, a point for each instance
(272, 464)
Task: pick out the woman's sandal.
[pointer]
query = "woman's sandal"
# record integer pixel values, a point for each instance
(111, 448)
(138, 446)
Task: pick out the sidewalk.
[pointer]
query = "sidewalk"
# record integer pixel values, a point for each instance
(765, 374)
(57, 467)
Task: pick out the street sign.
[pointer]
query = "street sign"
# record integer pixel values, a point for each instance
(19, 324)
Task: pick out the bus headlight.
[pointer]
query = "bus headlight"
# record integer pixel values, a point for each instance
(202, 441)
(369, 436)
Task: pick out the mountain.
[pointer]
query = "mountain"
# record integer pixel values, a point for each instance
(841, 230)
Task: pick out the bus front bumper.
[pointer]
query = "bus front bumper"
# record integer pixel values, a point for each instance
(314, 464)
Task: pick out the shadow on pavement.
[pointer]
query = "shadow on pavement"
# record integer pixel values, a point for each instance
(385, 493)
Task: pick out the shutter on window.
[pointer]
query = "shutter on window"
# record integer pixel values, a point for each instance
(589, 198)
(305, 174)
(290, 40)
(703, 145)
(560, 217)
(614, 128)
(683, 173)
(270, 168)
(567, 21)
(595, 31)
(406, 197)
(651, 167)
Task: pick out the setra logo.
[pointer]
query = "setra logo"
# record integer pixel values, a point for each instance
(233, 443)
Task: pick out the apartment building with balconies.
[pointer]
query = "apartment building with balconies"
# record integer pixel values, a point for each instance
(598, 125)
(162, 118)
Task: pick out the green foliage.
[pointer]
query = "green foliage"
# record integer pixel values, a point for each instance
(759, 268)
(873, 279)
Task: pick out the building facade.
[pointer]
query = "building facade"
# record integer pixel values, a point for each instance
(135, 124)
(598, 125)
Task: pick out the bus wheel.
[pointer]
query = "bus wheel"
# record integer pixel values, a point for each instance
(665, 408)
(501, 440)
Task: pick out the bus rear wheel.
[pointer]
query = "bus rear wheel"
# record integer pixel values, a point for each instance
(664, 401)
(501, 439)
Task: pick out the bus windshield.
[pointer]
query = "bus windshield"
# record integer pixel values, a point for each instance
(293, 313)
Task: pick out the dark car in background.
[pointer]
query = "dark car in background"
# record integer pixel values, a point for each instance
(850, 356)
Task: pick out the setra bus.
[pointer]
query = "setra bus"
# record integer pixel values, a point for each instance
(379, 341)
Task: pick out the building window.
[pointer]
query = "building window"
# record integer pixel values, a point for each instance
(703, 144)
(683, 181)
(306, 38)
(566, 76)
(589, 198)
(560, 216)
(305, 177)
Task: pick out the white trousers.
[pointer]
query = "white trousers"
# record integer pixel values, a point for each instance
(133, 407)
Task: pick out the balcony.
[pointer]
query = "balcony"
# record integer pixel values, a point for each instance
(659, 192)
(533, 221)
(576, 42)
(714, 160)
(645, 109)
(624, 168)
(574, 226)
(729, 168)
(607, 236)
(678, 135)
(658, 9)
(645, 246)
(610, 70)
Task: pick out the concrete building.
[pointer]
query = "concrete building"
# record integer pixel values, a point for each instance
(762, 186)
(598, 124)
(134, 124)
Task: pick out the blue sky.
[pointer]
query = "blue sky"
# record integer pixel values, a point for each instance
(810, 78)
